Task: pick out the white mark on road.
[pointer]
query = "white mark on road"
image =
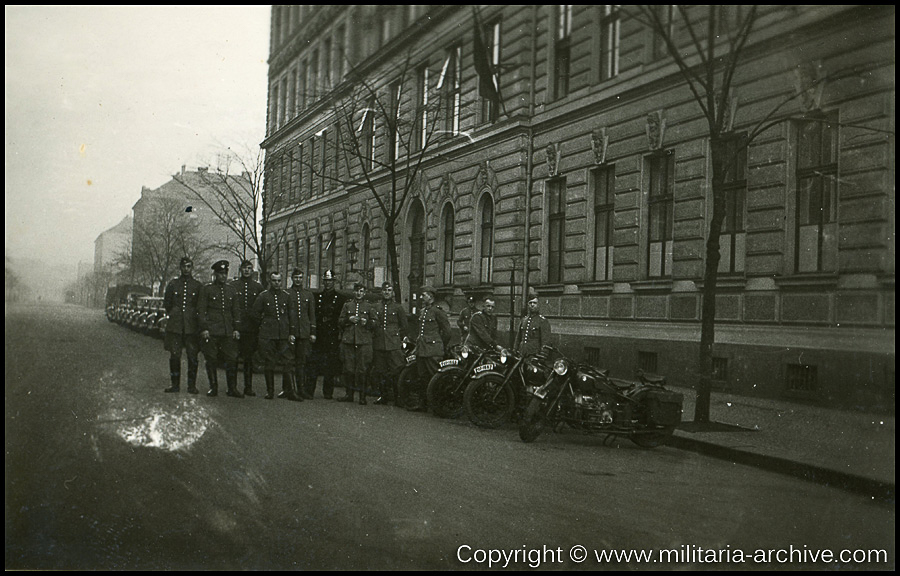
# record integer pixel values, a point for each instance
(167, 429)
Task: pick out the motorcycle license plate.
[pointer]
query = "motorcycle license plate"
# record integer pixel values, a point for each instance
(540, 393)
(450, 362)
(411, 358)
(484, 368)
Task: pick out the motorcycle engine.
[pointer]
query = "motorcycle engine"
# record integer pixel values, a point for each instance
(595, 409)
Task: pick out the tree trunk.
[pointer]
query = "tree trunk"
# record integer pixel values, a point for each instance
(710, 279)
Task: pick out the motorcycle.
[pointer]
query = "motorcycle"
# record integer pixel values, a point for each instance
(408, 377)
(496, 391)
(448, 385)
(583, 397)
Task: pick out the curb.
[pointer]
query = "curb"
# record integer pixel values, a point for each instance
(877, 490)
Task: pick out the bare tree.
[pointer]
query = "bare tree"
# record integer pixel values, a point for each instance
(162, 234)
(384, 131)
(236, 195)
(709, 68)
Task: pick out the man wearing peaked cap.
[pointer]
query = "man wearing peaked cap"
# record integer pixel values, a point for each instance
(534, 330)
(219, 317)
(180, 302)
(387, 359)
(325, 359)
(247, 290)
(303, 310)
(432, 340)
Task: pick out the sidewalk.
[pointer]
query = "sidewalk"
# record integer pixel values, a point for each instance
(845, 449)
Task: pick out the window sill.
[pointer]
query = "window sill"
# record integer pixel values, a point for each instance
(726, 282)
(601, 287)
(803, 281)
(656, 285)
(550, 289)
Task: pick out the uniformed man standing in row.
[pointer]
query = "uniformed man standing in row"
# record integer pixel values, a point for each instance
(247, 290)
(303, 312)
(357, 324)
(534, 331)
(387, 360)
(180, 302)
(276, 337)
(465, 318)
(326, 359)
(432, 339)
(219, 317)
(483, 330)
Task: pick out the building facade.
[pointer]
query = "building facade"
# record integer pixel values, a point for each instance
(111, 248)
(559, 149)
(174, 220)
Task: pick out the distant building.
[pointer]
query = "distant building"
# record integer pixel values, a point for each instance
(173, 220)
(112, 247)
(589, 179)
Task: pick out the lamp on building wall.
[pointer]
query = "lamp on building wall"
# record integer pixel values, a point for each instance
(352, 252)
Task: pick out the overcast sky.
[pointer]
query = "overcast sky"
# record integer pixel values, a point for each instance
(102, 101)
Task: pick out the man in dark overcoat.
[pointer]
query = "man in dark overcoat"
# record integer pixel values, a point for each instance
(303, 311)
(391, 326)
(326, 358)
(180, 302)
(276, 337)
(247, 290)
(219, 318)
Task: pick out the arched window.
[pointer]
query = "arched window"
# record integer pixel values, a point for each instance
(447, 248)
(487, 238)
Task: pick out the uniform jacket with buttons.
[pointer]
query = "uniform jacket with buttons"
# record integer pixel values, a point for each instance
(180, 302)
(390, 325)
(483, 330)
(218, 309)
(328, 311)
(534, 333)
(465, 318)
(303, 312)
(247, 290)
(271, 309)
(361, 333)
(433, 335)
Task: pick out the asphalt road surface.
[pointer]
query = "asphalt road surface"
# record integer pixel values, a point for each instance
(105, 471)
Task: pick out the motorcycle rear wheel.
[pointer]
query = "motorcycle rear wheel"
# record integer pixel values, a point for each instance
(489, 402)
(445, 395)
(534, 421)
(653, 439)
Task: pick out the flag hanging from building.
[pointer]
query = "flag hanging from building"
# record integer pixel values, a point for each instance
(487, 80)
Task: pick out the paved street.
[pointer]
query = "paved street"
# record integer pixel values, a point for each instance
(104, 471)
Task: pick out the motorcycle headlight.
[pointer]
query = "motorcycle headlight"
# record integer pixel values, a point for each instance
(560, 367)
(583, 377)
(504, 355)
(464, 351)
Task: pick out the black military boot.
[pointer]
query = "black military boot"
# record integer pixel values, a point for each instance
(175, 373)
(347, 381)
(362, 389)
(270, 384)
(193, 368)
(213, 376)
(287, 387)
(231, 381)
(248, 379)
(300, 383)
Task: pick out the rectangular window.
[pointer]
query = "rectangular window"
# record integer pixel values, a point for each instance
(658, 42)
(301, 89)
(562, 51)
(313, 83)
(609, 41)
(323, 167)
(817, 195)
(282, 103)
(326, 71)
(732, 241)
(490, 111)
(392, 127)
(367, 135)
(421, 136)
(292, 96)
(801, 378)
(647, 361)
(557, 238)
(603, 186)
(311, 162)
(299, 170)
(720, 369)
(341, 53)
(660, 214)
(450, 84)
(273, 119)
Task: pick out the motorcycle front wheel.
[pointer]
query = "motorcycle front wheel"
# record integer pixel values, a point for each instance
(653, 439)
(534, 421)
(489, 402)
(407, 381)
(445, 395)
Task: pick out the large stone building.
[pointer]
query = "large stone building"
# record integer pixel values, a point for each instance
(589, 178)
(174, 220)
(112, 247)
